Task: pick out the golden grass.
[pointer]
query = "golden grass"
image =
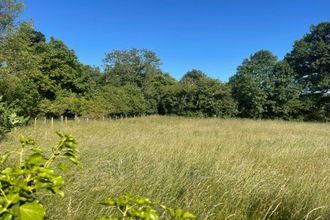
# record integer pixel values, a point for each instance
(215, 168)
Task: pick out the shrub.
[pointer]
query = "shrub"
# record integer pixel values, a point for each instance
(34, 172)
(9, 119)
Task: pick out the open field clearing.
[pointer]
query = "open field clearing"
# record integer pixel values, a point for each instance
(215, 168)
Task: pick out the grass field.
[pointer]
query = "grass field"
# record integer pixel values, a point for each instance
(215, 168)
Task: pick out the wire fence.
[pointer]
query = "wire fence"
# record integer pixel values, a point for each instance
(65, 120)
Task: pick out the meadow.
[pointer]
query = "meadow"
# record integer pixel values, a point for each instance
(215, 168)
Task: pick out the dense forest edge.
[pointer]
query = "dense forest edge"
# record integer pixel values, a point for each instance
(45, 78)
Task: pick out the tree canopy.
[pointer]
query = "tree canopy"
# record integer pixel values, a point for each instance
(40, 77)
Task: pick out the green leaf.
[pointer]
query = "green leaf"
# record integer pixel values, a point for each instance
(70, 144)
(109, 202)
(188, 215)
(22, 139)
(74, 160)
(4, 157)
(13, 198)
(36, 149)
(42, 185)
(25, 140)
(35, 158)
(142, 201)
(2, 209)
(8, 170)
(58, 191)
(7, 216)
(58, 181)
(178, 212)
(171, 211)
(32, 211)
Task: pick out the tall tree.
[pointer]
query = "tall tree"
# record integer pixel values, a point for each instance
(131, 67)
(19, 67)
(249, 84)
(193, 77)
(9, 11)
(200, 95)
(283, 93)
(61, 70)
(156, 88)
(124, 100)
(310, 59)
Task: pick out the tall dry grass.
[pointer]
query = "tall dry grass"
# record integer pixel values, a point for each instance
(215, 168)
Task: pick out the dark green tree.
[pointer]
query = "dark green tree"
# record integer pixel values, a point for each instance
(130, 67)
(19, 68)
(156, 88)
(199, 95)
(310, 59)
(61, 70)
(123, 100)
(249, 84)
(283, 93)
(193, 77)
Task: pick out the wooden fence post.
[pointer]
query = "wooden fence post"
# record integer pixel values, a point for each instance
(35, 123)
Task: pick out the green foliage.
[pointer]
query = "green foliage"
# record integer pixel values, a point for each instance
(310, 59)
(19, 72)
(130, 67)
(311, 62)
(249, 84)
(9, 119)
(61, 69)
(95, 107)
(9, 11)
(122, 100)
(283, 93)
(193, 77)
(266, 88)
(129, 207)
(66, 103)
(20, 183)
(46, 78)
(200, 95)
(155, 91)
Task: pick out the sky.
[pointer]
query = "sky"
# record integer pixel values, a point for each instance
(211, 35)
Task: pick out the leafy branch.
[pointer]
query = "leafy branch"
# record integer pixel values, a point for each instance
(128, 207)
(34, 172)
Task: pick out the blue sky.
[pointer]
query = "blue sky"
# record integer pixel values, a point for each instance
(213, 36)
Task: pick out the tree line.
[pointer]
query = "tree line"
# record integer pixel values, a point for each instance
(40, 77)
